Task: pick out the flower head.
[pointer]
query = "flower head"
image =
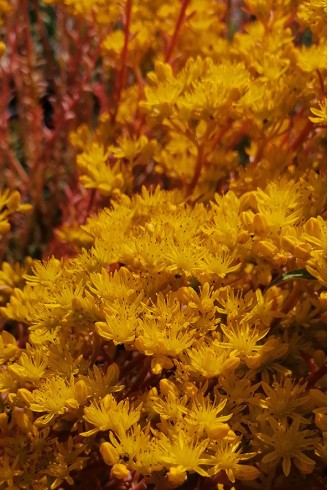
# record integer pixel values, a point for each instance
(289, 442)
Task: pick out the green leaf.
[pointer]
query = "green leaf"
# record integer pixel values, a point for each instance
(290, 276)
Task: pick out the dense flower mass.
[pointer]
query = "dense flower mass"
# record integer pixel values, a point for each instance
(172, 334)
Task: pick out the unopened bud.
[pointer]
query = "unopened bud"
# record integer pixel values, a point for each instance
(218, 431)
(166, 386)
(177, 475)
(260, 225)
(246, 472)
(109, 453)
(120, 471)
(24, 395)
(80, 391)
(24, 420)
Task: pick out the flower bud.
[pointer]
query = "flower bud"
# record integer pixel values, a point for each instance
(260, 225)
(71, 404)
(189, 389)
(167, 386)
(177, 475)
(218, 431)
(80, 391)
(14, 201)
(231, 364)
(109, 453)
(265, 248)
(246, 218)
(120, 471)
(302, 250)
(312, 227)
(288, 242)
(246, 472)
(24, 420)
(25, 395)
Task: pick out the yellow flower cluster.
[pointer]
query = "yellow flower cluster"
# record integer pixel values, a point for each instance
(186, 335)
(10, 202)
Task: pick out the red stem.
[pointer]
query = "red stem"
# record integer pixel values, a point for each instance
(174, 38)
(28, 39)
(44, 40)
(322, 85)
(124, 55)
(302, 135)
(36, 170)
(60, 123)
(314, 377)
(312, 367)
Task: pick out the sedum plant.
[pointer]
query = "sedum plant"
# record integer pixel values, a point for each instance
(176, 337)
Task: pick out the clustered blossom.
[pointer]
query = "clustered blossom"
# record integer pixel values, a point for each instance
(181, 343)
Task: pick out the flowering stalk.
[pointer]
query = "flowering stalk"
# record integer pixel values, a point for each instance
(198, 168)
(174, 38)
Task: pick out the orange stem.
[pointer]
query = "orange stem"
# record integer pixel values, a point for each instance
(198, 169)
(322, 85)
(174, 38)
(302, 135)
(314, 377)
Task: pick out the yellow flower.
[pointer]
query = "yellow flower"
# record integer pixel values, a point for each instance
(279, 204)
(284, 399)
(312, 58)
(137, 150)
(10, 201)
(120, 285)
(167, 329)
(113, 43)
(155, 338)
(30, 367)
(289, 442)
(8, 347)
(8, 471)
(203, 414)
(11, 276)
(209, 361)
(182, 454)
(181, 258)
(96, 172)
(66, 460)
(238, 390)
(107, 414)
(220, 263)
(203, 303)
(163, 93)
(99, 384)
(7, 382)
(45, 273)
(315, 233)
(227, 458)
(136, 449)
(171, 408)
(56, 396)
(243, 339)
(122, 320)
